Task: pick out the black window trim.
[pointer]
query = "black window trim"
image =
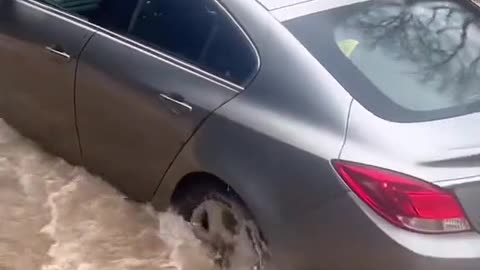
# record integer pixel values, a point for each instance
(156, 52)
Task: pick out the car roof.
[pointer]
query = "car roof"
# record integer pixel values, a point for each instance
(279, 4)
(284, 10)
(276, 4)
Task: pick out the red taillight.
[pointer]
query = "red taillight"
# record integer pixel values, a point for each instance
(403, 200)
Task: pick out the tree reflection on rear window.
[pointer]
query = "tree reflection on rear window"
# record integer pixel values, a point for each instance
(407, 60)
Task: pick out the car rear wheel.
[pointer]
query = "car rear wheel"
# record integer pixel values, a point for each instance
(224, 225)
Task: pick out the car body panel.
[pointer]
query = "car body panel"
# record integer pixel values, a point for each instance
(275, 186)
(278, 163)
(339, 235)
(468, 194)
(272, 142)
(434, 151)
(123, 84)
(444, 152)
(36, 82)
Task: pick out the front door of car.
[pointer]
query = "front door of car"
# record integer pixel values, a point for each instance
(139, 99)
(39, 48)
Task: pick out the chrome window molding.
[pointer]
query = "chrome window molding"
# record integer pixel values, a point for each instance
(164, 57)
(458, 181)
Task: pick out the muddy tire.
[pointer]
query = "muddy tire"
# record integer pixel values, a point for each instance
(221, 221)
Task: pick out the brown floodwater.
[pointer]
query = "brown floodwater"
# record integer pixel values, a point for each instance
(54, 216)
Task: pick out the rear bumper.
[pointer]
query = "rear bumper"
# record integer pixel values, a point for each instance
(345, 234)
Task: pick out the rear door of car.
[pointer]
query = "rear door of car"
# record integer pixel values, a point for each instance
(142, 91)
(39, 48)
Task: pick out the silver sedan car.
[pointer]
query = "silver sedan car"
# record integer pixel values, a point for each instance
(291, 134)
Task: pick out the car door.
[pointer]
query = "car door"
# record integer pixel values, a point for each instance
(39, 48)
(141, 94)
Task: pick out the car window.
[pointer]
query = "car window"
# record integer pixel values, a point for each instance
(114, 15)
(406, 60)
(198, 32)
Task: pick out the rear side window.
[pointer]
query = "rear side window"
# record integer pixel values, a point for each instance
(403, 60)
(199, 32)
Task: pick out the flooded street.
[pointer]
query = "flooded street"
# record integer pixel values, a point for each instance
(58, 217)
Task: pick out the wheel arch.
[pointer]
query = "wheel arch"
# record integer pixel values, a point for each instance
(199, 178)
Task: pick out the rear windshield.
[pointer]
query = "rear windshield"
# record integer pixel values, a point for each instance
(403, 60)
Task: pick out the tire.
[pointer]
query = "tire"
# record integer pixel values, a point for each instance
(224, 225)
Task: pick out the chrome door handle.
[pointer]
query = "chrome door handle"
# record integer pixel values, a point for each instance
(59, 52)
(180, 103)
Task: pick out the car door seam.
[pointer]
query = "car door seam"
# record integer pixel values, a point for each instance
(194, 131)
(75, 113)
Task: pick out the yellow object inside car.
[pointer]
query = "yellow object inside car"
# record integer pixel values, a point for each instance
(348, 46)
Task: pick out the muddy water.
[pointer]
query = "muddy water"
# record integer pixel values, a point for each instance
(57, 217)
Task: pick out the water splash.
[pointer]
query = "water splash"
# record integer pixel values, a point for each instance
(59, 217)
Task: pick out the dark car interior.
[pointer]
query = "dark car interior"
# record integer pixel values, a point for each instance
(204, 38)
(115, 14)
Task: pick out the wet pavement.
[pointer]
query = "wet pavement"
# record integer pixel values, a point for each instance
(54, 216)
